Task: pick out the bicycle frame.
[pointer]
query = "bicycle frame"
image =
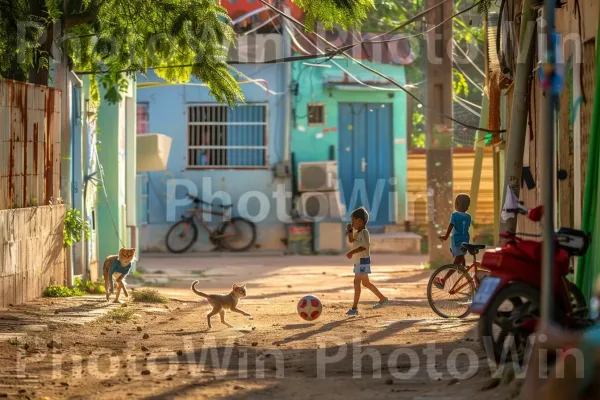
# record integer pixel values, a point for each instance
(197, 212)
(474, 267)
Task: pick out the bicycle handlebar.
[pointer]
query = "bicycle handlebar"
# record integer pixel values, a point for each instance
(198, 200)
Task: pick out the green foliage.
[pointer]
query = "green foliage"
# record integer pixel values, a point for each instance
(74, 227)
(110, 37)
(148, 296)
(418, 136)
(120, 314)
(61, 291)
(16, 342)
(459, 83)
(346, 13)
(89, 286)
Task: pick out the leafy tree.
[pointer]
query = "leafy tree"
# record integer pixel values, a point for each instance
(113, 36)
(109, 37)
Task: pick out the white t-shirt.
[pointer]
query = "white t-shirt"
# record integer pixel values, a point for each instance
(362, 239)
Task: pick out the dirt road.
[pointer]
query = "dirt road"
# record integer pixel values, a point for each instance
(401, 351)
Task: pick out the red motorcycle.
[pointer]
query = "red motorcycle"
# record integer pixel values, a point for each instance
(508, 300)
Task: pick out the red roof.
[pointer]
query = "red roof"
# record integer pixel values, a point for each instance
(237, 8)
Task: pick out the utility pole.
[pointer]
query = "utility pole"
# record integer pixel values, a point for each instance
(548, 172)
(440, 196)
(520, 108)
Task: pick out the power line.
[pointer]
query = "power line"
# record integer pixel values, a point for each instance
(330, 53)
(392, 81)
(468, 77)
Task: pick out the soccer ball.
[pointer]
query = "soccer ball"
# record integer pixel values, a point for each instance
(309, 308)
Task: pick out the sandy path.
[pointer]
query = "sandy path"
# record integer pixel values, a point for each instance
(385, 353)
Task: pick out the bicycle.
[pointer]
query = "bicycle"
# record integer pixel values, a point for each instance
(462, 283)
(223, 236)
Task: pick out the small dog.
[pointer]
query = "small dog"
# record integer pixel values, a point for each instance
(115, 270)
(222, 302)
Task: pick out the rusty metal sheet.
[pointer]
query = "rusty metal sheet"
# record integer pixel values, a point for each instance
(29, 155)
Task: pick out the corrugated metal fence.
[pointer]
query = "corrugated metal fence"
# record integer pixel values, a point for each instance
(463, 174)
(29, 144)
(31, 232)
(31, 252)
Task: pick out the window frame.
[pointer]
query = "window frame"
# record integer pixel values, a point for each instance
(146, 104)
(227, 167)
(324, 107)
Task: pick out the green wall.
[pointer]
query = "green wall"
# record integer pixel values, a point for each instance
(113, 232)
(311, 143)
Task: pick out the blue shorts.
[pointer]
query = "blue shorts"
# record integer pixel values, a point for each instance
(364, 266)
(457, 251)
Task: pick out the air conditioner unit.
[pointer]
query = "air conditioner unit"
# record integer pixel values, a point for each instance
(317, 176)
(321, 205)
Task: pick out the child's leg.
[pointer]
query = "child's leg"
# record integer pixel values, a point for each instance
(458, 260)
(367, 283)
(357, 289)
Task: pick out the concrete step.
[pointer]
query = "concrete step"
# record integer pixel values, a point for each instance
(395, 228)
(398, 242)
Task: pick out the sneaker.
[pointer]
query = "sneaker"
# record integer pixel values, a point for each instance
(438, 283)
(352, 311)
(381, 303)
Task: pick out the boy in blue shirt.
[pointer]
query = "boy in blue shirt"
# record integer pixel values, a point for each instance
(460, 222)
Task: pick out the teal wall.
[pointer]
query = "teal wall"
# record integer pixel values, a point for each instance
(112, 222)
(310, 143)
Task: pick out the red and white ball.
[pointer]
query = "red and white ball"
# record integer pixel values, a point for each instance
(310, 308)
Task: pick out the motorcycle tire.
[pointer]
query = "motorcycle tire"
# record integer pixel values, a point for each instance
(495, 348)
(514, 291)
(578, 301)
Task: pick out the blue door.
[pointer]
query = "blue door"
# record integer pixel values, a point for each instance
(365, 160)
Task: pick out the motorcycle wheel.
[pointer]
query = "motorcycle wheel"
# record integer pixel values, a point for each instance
(578, 302)
(499, 328)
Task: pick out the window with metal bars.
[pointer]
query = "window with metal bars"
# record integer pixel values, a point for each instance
(316, 114)
(227, 138)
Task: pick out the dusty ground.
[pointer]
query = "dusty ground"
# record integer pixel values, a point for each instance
(165, 351)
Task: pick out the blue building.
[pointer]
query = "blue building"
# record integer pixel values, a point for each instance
(224, 155)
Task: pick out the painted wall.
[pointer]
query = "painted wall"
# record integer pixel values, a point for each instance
(168, 115)
(312, 143)
(112, 205)
(90, 192)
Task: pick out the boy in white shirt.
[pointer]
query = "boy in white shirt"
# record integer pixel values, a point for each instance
(362, 257)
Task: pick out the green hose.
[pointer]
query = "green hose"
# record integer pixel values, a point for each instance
(589, 267)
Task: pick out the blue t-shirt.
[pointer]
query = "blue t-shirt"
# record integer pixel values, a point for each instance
(118, 268)
(460, 233)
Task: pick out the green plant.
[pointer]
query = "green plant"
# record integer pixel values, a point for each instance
(62, 291)
(120, 314)
(90, 287)
(15, 342)
(148, 296)
(74, 226)
(418, 137)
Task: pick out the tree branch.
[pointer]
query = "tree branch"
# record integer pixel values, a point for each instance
(79, 19)
(89, 15)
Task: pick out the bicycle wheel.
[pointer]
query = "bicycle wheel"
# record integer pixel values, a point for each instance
(238, 234)
(181, 236)
(454, 299)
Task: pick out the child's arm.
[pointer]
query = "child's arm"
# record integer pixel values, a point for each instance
(352, 252)
(448, 232)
